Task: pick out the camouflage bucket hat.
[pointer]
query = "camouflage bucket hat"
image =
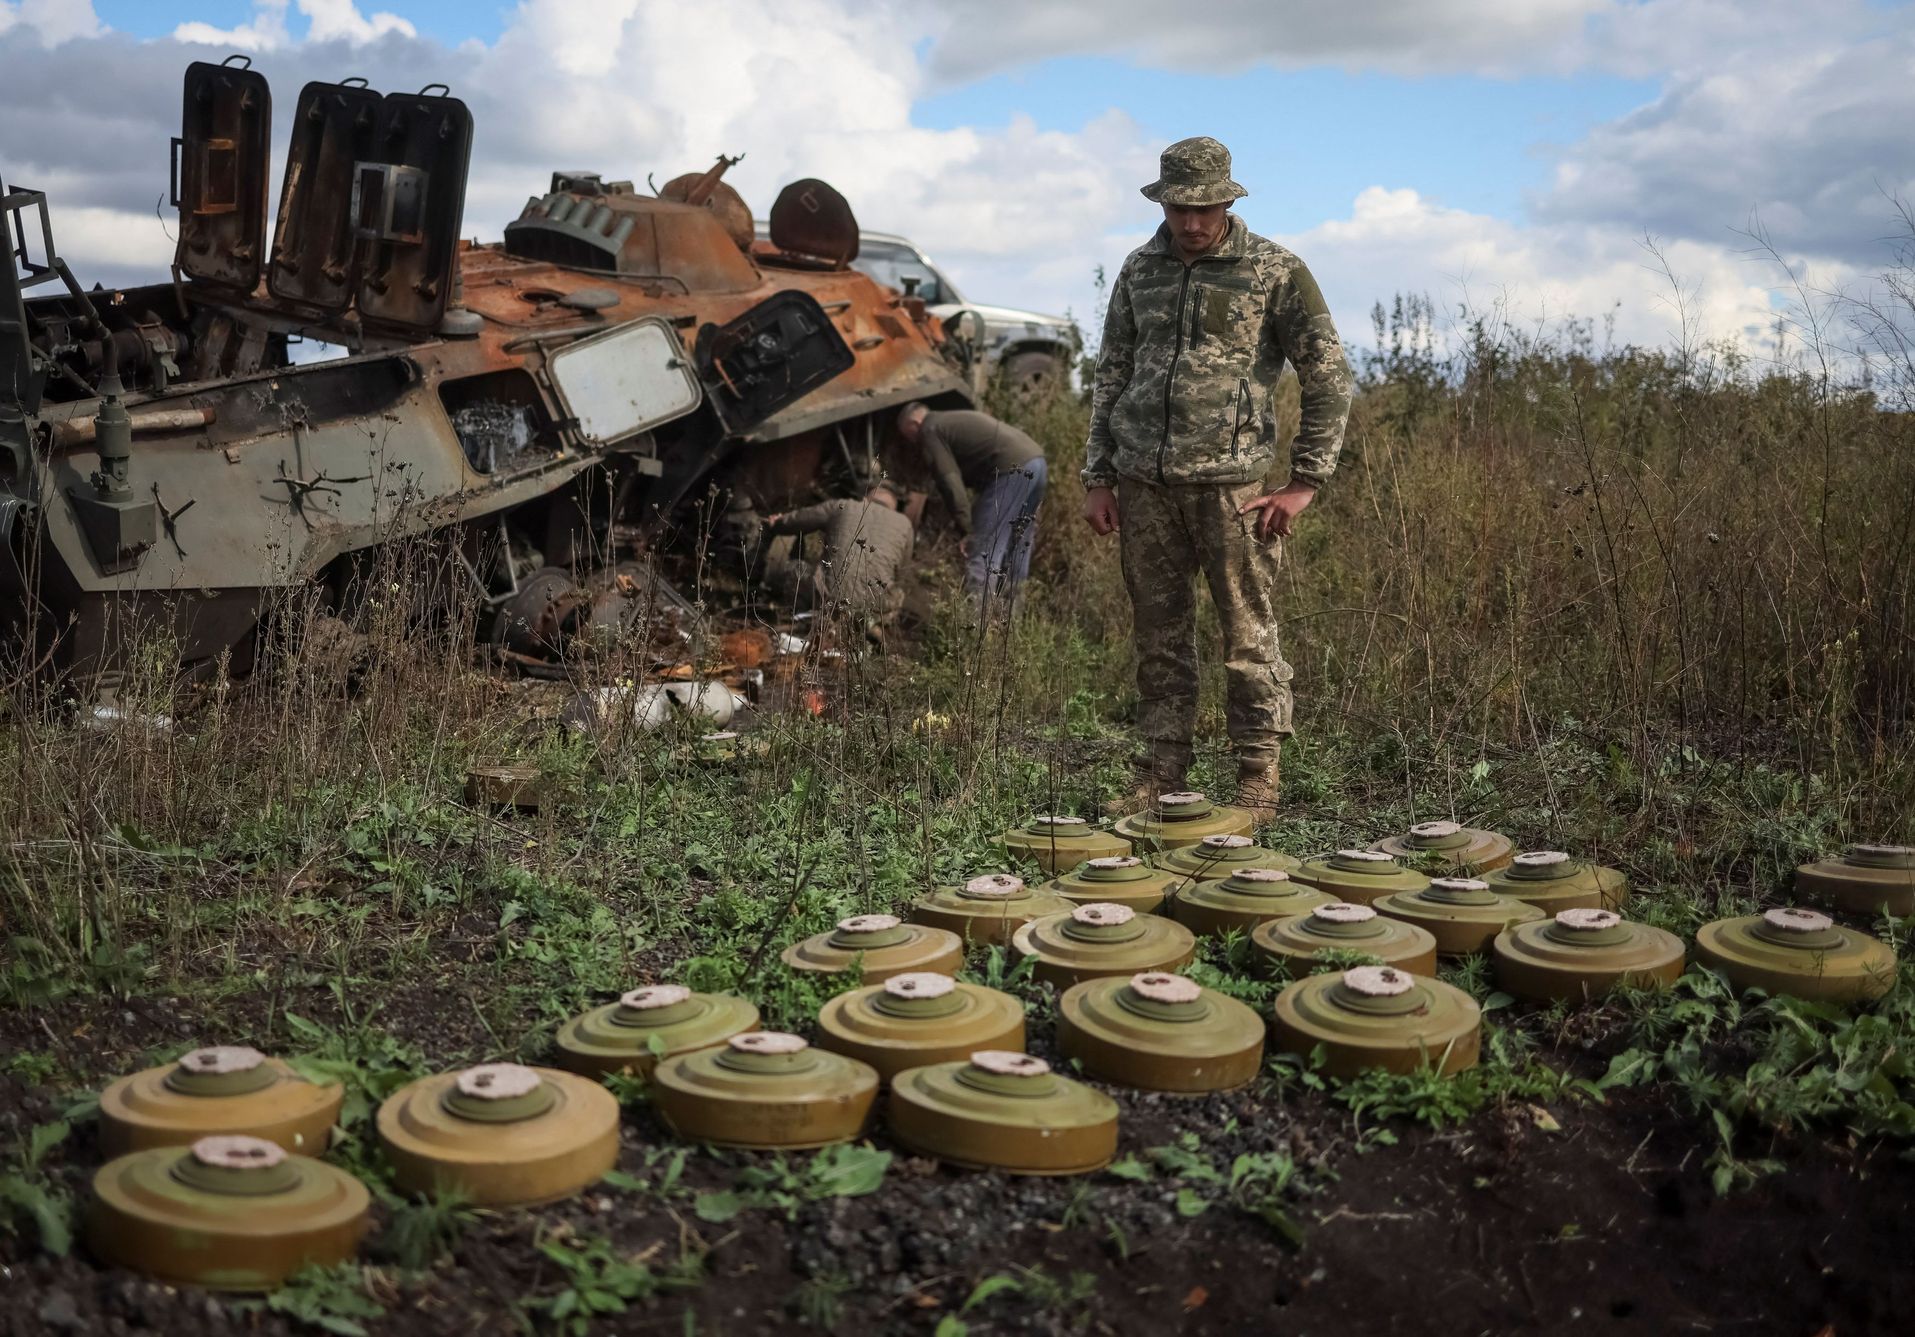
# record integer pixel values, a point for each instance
(1194, 173)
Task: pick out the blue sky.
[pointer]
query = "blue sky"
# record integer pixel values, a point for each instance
(1473, 142)
(1515, 157)
(447, 21)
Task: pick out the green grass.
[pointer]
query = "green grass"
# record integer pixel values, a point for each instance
(1647, 609)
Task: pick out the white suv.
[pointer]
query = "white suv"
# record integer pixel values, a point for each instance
(1027, 348)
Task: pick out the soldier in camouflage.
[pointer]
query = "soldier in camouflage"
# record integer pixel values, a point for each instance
(1183, 459)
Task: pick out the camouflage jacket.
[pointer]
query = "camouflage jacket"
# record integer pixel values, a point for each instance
(1189, 365)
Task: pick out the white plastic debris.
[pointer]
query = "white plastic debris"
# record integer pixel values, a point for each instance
(107, 716)
(713, 700)
(602, 710)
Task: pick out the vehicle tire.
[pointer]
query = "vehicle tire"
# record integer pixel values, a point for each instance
(1031, 374)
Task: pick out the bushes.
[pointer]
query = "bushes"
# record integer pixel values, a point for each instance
(1663, 544)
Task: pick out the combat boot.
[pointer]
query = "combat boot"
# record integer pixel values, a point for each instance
(1258, 788)
(1163, 773)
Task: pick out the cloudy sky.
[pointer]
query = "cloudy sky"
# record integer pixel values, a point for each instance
(1505, 154)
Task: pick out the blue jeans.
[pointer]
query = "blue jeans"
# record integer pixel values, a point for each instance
(1003, 530)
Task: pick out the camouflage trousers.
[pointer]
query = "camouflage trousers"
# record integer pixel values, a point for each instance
(1170, 533)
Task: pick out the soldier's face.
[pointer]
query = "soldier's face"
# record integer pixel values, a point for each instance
(1197, 230)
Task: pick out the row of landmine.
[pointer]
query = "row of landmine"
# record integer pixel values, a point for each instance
(212, 1186)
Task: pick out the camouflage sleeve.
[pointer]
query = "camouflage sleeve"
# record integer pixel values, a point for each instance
(950, 479)
(1116, 356)
(805, 520)
(1299, 324)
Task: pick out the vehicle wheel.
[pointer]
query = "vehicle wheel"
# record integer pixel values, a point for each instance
(1032, 374)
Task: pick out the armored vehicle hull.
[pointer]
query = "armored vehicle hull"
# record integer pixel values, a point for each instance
(537, 409)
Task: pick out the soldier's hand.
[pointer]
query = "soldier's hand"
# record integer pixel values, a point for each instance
(1100, 510)
(1276, 510)
(964, 546)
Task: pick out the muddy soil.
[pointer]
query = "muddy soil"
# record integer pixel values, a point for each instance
(1605, 1224)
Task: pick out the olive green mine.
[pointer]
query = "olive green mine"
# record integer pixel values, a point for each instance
(1102, 939)
(1798, 952)
(1580, 954)
(1378, 1017)
(1863, 880)
(1341, 930)
(1461, 913)
(1005, 1111)
(1160, 1032)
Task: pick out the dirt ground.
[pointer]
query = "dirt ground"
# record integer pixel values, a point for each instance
(1605, 1223)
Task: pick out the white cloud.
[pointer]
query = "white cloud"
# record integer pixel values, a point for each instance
(117, 240)
(582, 40)
(1652, 39)
(53, 21)
(1811, 139)
(1636, 38)
(1770, 112)
(266, 32)
(1403, 36)
(1019, 215)
(801, 87)
(326, 21)
(1398, 241)
(332, 20)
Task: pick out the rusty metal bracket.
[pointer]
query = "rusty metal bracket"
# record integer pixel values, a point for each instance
(300, 489)
(169, 518)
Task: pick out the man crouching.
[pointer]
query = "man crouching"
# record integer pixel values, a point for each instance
(866, 545)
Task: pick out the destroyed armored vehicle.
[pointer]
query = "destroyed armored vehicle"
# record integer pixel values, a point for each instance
(595, 387)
